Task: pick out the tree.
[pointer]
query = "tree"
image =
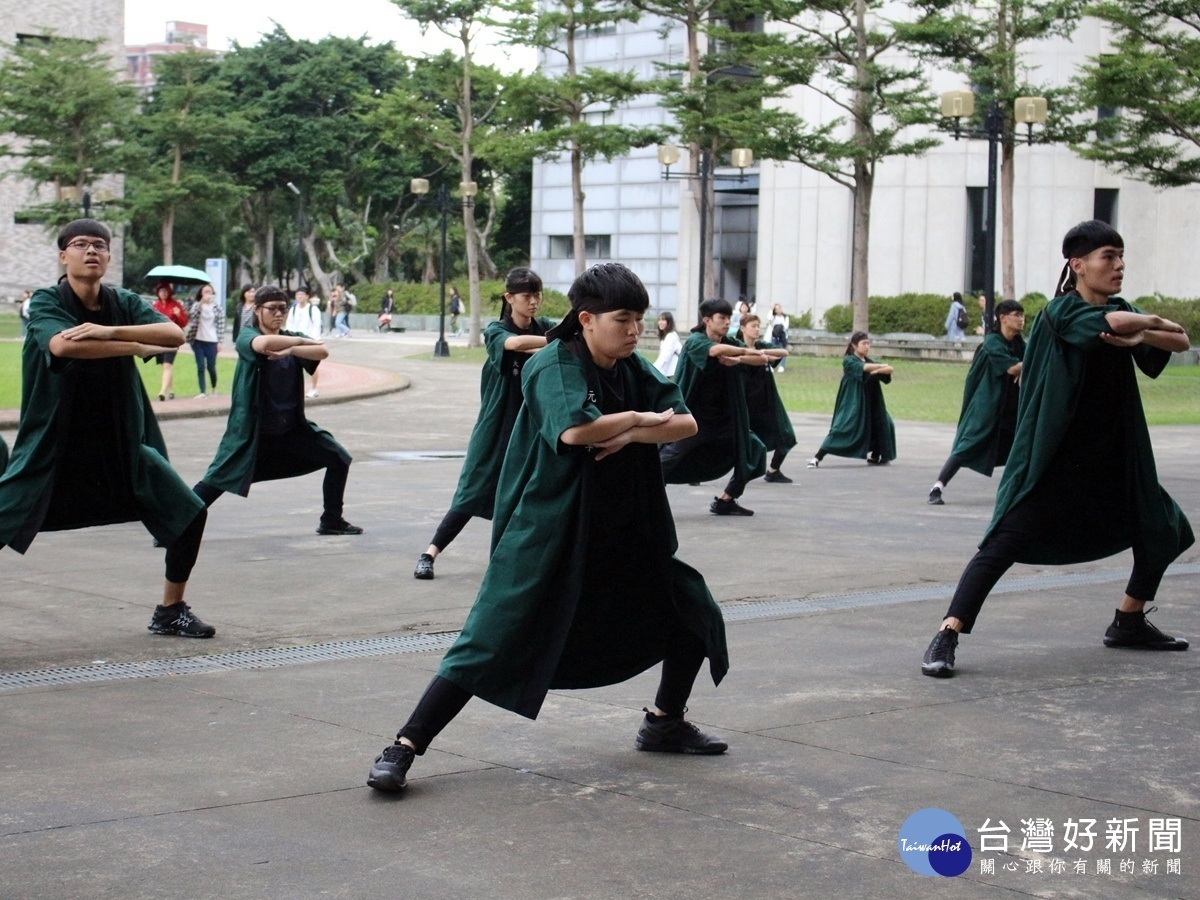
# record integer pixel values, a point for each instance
(850, 43)
(566, 99)
(1151, 78)
(69, 107)
(985, 45)
(187, 128)
(461, 20)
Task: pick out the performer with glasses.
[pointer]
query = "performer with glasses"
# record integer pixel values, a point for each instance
(267, 436)
(88, 450)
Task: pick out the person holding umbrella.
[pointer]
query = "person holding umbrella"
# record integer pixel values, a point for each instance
(165, 303)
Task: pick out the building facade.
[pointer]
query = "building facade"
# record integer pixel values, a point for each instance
(30, 257)
(785, 236)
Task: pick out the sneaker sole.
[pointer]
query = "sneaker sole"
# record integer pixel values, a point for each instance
(385, 782)
(672, 748)
(168, 632)
(939, 672)
(1175, 645)
(422, 577)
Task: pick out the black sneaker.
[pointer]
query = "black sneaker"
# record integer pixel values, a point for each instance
(177, 620)
(341, 526)
(777, 477)
(671, 734)
(1132, 630)
(390, 768)
(935, 498)
(424, 569)
(939, 656)
(728, 508)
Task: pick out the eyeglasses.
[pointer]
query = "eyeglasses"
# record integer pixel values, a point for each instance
(278, 308)
(84, 246)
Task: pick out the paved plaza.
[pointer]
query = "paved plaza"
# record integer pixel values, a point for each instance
(135, 766)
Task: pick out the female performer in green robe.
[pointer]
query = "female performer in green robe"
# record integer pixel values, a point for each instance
(583, 588)
(509, 342)
(861, 427)
(1080, 483)
(768, 418)
(989, 408)
(88, 450)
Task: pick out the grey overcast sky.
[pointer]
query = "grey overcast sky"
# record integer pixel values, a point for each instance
(244, 20)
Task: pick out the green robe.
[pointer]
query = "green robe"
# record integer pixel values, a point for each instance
(499, 402)
(861, 424)
(1125, 499)
(583, 588)
(768, 418)
(709, 461)
(3, 456)
(988, 396)
(165, 504)
(236, 465)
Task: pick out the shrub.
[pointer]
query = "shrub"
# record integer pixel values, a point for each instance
(919, 313)
(425, 299)
(1185, 312)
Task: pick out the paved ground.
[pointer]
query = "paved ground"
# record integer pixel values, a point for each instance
(248, 781)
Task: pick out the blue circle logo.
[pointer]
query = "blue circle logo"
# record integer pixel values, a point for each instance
(933, 842)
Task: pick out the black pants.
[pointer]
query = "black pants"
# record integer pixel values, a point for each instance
(443, 700)
(777, 459)
(949, 470)
(181, 555)
(671, 455)
(1017, 531)
(298, 449)
(451, 526)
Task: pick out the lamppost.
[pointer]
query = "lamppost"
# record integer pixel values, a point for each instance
(668, 155)
(291, 186)
(1028, 111)
(468, 189)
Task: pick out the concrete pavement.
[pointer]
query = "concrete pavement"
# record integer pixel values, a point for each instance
(235, 767)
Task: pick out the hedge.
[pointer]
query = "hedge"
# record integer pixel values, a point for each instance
(926, 313)
(425, 299)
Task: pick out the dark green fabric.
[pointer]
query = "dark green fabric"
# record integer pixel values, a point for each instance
(861, 424)
(499, 402)
(48, 385)
(3, 456)
(985, 396)
(234, 467)
(768, 418)
(709, 461)
(552, 612)
(1065, 336)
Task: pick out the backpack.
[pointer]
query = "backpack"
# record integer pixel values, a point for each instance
(455, 305)
(962, 321)
(779, 335)
(351, 301)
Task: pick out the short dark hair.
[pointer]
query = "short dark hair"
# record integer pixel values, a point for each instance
(1004, 307)
(855, 339)
(715, 306)
(269, 292)
(1079, 242)
(606, 287)
(522, 280)
(83, 228)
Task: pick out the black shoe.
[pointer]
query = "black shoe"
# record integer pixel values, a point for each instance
(939, 656)
(876, 461)
(390, 768)
(1132, 630)
(935, 498)
(728, 508)
(424, 569)
(177, 620)
(671, 734)
(341, 526)
(777, 477)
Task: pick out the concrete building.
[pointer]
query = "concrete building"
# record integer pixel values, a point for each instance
(139, 58)
(785, 237)
(30, 258)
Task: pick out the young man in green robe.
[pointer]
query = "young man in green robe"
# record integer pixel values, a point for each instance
(88, 450)
(710, 378)
(267, 436)
(509, 343)
(768, 418)
(1080, 483)
(583, 588)
(989, 409)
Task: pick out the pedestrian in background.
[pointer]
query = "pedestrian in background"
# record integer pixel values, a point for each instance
(669, 345)
(165, 303)
(243, 312)
(956, 319)
(206, 328)
(304, 317)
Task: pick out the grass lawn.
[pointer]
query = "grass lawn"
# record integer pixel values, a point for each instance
(185, 375)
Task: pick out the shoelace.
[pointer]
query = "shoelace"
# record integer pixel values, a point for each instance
(396, 753)
(943, 646)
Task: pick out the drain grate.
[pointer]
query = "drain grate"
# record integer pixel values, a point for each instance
(418, 455)
(420, 643)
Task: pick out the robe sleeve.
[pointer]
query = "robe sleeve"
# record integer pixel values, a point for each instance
(494, 337)
(999, 358)
(661, 392)
(557, 398)
(47, 317)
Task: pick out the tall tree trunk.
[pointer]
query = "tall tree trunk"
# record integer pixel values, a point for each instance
(468, 208)
(864, 176)
(1007, 256)
(577, 233)
(168, 236)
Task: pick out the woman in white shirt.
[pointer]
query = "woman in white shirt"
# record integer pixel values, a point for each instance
(669, 345)
(304, 318)
(206, 328)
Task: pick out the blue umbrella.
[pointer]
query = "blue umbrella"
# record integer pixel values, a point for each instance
(178, 275)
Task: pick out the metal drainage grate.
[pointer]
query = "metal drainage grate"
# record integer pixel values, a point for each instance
(418, 455)
(419, 643)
